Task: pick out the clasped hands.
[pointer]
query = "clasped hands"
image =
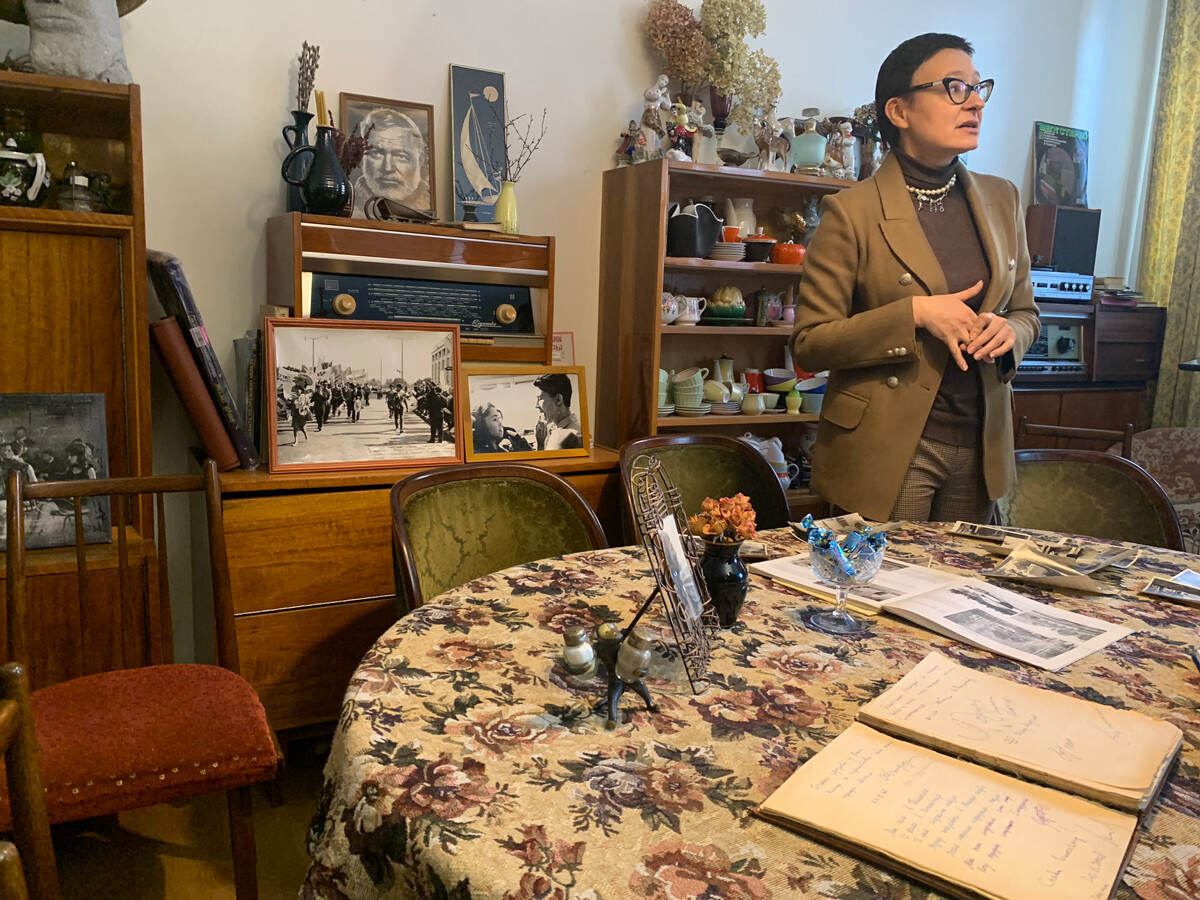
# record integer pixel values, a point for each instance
(984, 336)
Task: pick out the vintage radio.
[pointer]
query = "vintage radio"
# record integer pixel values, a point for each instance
(1057, 352)
(1063, 287)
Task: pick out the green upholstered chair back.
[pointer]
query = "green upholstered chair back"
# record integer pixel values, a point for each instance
(457, 523)
(709, 466)
(1090, 493)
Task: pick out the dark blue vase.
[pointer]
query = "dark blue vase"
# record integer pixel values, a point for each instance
(726, 578)
(325, 188)
(297, 136)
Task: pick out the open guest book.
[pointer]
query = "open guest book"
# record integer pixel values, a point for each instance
(888, 789)
(967, 609)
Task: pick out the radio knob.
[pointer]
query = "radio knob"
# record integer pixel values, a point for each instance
(1065, 344)
(344, 305)
(506, 314)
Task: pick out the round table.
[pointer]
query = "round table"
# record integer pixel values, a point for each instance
(469, 764)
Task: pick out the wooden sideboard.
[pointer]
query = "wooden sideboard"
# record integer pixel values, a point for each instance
(310, 561)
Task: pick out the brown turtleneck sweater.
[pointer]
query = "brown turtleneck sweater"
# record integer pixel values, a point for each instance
(957, 414)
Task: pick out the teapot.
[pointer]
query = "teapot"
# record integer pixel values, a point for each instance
(23, 176)
(692, 230)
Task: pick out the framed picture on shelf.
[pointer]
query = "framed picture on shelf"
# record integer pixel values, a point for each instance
(56, 437)
(399, 163)
(529, 412)
(477, 120)
(359, 395)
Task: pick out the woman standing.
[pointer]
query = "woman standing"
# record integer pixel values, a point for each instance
(916, 296)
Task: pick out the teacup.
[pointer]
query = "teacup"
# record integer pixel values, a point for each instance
(716, 392)
(770, 400)
(752, 405)
(731, 234)
(690, 309)
(664, 376)
(791, 470)
(754, 380)
(738, 390)
(691, 397)
(689, 379)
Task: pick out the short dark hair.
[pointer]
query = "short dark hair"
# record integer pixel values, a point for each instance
(555, 383)
(896, 74)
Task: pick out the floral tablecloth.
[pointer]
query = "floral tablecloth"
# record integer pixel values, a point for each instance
(469, 764)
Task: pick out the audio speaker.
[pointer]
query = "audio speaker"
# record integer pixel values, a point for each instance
(1063, 237)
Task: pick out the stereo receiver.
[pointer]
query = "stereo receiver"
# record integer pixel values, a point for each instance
(1063, 287)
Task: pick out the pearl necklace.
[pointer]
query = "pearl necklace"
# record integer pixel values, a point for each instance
(933, 198)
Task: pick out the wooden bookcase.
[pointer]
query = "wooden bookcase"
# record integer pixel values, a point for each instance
(634, 272)
(73, 316)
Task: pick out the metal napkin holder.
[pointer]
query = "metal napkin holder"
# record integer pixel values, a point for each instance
(654, 498)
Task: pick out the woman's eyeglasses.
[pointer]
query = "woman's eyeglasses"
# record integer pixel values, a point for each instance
(956, 89)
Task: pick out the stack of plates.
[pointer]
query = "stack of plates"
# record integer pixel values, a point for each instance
(702, 410)
(729, 408)
(666, 410)
(730, 252)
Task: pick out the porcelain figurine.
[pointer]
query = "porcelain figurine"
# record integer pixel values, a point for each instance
(625, 151)
(773, 146)
(655, 101)
(839, 154)
(680, 132)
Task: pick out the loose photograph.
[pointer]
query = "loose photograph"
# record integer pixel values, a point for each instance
(55, 437)
(525, 413)
(398, 162)
(1176, 591)
(356, 395)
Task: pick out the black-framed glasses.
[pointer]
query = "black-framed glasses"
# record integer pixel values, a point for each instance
(956, 89)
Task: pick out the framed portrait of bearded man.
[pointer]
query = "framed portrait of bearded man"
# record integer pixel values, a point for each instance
(399, 161)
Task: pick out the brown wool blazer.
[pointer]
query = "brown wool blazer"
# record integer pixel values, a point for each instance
(867, 260)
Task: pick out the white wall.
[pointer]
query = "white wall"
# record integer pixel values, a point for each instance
(218, 80)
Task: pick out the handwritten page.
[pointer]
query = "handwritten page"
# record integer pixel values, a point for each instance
(993, 834)
(1110, 754)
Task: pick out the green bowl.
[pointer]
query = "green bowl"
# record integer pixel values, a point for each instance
(726, 310)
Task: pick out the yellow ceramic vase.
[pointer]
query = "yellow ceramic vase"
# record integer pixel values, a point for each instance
(506, 208)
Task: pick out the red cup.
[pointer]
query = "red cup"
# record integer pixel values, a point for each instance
(754, 379)
(730, 234)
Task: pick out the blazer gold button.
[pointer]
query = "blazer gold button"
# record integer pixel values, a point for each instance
(902, 351)
(891, 353)
(893, 381)
(1012, 264)
(906, 278)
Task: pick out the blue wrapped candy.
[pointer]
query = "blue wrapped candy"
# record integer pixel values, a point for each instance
(843, 556)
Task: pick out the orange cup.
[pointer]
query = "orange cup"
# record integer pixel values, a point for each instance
(730, 234)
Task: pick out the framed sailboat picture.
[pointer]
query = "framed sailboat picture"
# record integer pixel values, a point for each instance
(399, 162)
(477, 138)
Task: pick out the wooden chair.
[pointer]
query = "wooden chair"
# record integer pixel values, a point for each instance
(1090, 493)
(146, 732)
(456, 523)
(1172, 458)
(31, 861)
(709, 465)
(1125, 436)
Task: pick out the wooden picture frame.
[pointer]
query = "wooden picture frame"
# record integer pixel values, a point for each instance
(334, 388)
(402, 131)
(503, 418)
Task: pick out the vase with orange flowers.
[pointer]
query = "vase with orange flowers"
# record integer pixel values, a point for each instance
(723, 525)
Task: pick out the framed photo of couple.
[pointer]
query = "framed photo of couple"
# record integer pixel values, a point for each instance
(524, 412)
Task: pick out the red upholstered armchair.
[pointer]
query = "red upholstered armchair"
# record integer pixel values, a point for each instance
(150, 731)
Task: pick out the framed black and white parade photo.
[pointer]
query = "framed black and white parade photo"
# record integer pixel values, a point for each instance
(56, 437)
(399, 163)
(527, 412)
(358, 395)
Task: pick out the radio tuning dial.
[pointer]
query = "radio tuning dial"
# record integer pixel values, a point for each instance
(344, 305)
(506, 314)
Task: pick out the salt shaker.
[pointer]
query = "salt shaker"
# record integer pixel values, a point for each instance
(633, 659)
(578, 655)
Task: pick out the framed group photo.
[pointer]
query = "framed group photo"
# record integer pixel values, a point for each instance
(359, 395)
(399, 164)
(55, 437)
(531, 412)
